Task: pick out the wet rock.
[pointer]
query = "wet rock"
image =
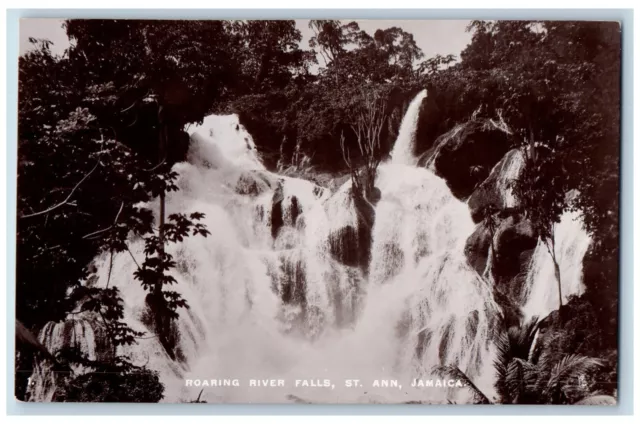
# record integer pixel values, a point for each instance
(288, 282)
(515, 240)
(292, 283)
(295, 209)
(494, 191)
(350, 245)
(84, 332)
(465, 155)
(277, 218)
(253, 183)
(344, 246)
(287, 211)
(511, 312)
(476, 249)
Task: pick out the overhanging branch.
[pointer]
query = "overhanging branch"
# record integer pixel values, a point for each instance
(66, 200)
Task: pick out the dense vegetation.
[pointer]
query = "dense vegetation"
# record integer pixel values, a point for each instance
(101, 126)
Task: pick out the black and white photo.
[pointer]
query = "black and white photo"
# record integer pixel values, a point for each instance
(318, 211)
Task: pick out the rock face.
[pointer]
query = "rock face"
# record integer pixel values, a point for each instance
(292, 283)
(477, 247)
(465, 155)
(352, 246)
(344, 246)
(495, 191)
(277, 219)
(515, 241)
(278, 212)
(253, 183)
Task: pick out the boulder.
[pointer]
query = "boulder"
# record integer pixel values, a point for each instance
(494, 191)
(350, 245)
(465, 155)
(476, 249)
(515, 241)
(292, 283)
(277, 220)
(253, 183)
(278, 212)
(344, 246)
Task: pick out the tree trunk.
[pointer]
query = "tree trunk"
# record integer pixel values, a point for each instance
(162, 147)
(551, 247)
(161, 319)
(557, 272)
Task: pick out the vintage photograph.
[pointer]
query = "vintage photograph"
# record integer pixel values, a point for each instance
(318, 211)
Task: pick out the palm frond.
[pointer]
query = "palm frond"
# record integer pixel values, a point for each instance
(501, 364)
(519, 374)
(514, 344)
(522, 338)
(554, 380)
(570, 367)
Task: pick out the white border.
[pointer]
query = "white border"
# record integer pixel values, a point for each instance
(339, 4)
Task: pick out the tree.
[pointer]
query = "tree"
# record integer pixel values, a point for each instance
(160, 76)
(557, 86)
(401, 50)
(367, 122)
(270, 55)
(333, 39)
(542, 195)
(86, 163)
(307, 117)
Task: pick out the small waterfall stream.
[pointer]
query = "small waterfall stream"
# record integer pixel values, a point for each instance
(402, 152)
(270, 298)
(541, 291)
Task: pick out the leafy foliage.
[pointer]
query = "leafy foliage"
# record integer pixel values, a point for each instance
(524, 377)
(141, 386)
(153, 273)
(98, 136)
(557, 87)
(307, 117)
(88, 160)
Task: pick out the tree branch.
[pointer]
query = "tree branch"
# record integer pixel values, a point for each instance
(109, 227)
(65, 201)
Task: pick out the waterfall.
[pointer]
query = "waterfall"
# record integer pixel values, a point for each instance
(402, 152)
(509, 169)
(278, 291)
(541, 291)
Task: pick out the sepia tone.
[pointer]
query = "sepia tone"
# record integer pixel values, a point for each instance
(312, 212)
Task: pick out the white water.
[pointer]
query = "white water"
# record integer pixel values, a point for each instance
(417, 305)
(541, 291)
(540, 295)
(507, 171)
(402, 152)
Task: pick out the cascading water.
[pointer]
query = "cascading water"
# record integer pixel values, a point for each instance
(402, 152)
(541, 291)
(274, 294)
(509, 170)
